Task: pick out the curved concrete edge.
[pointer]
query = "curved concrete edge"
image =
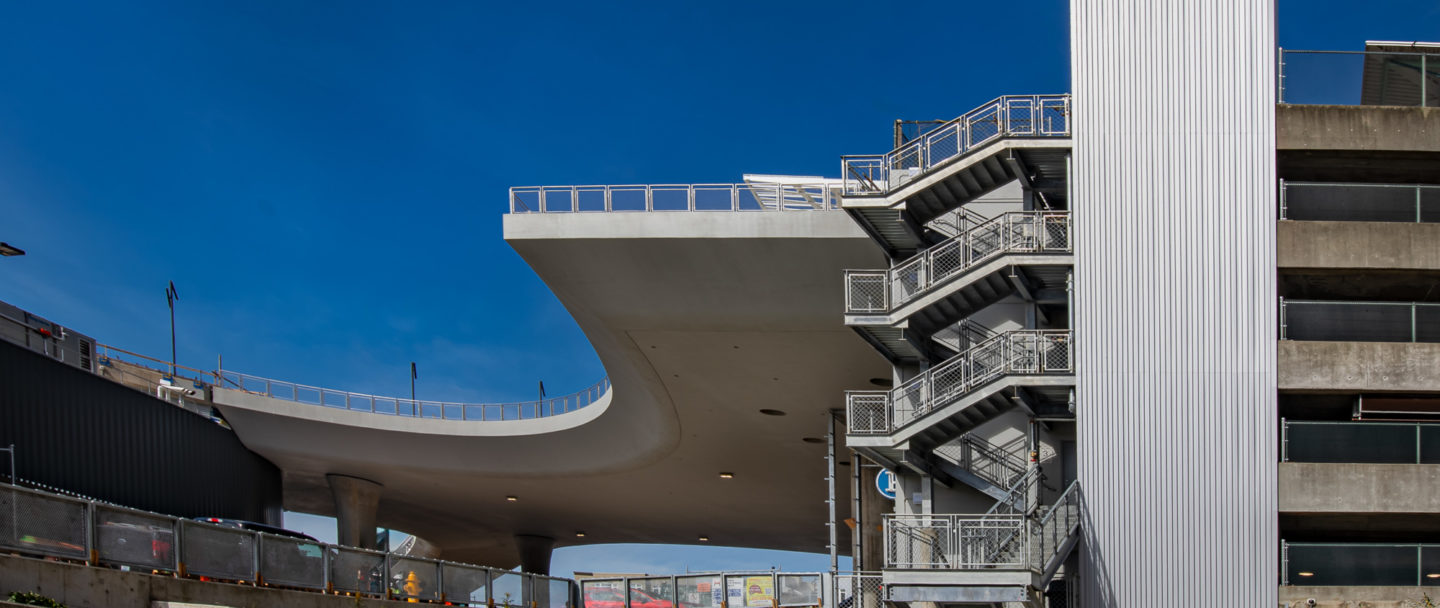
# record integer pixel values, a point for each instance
(817, 224)
(226, 399)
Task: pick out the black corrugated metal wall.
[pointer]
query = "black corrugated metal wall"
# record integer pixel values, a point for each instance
(80, 432)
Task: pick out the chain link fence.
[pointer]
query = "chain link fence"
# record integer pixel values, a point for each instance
(43, 524)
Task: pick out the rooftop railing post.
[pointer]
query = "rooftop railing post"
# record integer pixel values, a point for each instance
(540, 193)
(690, 197)
(649, 205)
(1285, 440)
(1283, 210)
(1282, 319)
(1279, 79)
(609, 202)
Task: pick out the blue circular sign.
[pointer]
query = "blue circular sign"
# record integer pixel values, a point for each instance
(885, 483)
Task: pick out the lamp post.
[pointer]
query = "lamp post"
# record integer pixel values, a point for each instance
(170, 296)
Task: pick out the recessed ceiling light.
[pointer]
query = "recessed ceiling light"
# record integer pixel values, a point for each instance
(882, 382)
(1433, 575)
(512, 498)
(704, 539)
(813, 439)
(727, 475)
(1306, 574)
(769, 412)
(580, 535)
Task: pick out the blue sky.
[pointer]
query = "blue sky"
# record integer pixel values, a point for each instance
(324, 181)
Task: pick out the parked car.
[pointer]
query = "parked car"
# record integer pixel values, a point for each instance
(255, 526)
(603, 597)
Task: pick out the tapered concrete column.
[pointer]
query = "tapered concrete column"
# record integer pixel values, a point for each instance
(356, 501)
(534, 553)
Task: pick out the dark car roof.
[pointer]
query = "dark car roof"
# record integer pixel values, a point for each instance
(256, 526)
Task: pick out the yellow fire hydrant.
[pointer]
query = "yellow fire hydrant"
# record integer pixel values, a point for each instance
(412, 587)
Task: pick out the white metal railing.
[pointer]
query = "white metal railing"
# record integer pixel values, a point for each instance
(39, 523)
(991, 463)
(1023, 352)
(871, 291)
(414, 408)
(1340, 78)
(675, 197)
(1007, 541)
(1359, 321)
(1010, 116)
(769, 588)
(1352, 202)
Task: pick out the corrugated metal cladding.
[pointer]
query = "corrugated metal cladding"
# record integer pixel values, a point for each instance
(1174, 200)
(80, 432)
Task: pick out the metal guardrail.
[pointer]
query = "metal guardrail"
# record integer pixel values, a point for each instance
(1359, 442)
(1359, 564)
(1023, 352)
(1358, 78)
(1005, 541)
(413, 408)
(1009, 116)
(674, 197)
(769, 589)
(985, 460)
(1344, 202)
(1340, 321)
(49, 525)
(871, 291)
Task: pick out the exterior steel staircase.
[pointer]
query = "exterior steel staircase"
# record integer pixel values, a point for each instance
(897, 310)
(995, 557)
(892, 196)
(965, 391)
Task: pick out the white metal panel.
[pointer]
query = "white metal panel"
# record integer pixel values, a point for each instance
(1174, 180)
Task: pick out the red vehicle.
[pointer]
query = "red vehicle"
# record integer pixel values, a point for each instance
(605, 597)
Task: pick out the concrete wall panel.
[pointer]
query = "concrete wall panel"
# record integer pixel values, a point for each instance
(1358, 366)
(1174, 199)
(1313, 487)
(1378, 128)
(1357, 245)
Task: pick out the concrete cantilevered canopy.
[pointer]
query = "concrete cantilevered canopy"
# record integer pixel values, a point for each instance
(701, 319)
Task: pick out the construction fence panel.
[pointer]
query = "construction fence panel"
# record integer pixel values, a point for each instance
(124, 537)
(292, 562)
(217, 551)
(40, 523)
(357, 570)
(412, 577)
(465, 584)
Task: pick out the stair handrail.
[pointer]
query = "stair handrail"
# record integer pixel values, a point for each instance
(1005, 116)
(1055, 530)
(1014, 231)
(956, 222)
(1019, 351)
(1006, 459)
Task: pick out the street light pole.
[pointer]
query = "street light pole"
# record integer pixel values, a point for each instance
(170, 296)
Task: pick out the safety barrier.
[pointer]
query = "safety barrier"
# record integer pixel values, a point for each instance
(1359, 564)
(413, 408)
(675, 197)
(1345, 202)
(1022, 352)
(1007, 541)
(767, 589)
(1359, 78)
(45, 524)
(871, 291)
(1010, 116)
(1371, 442)
(1345, 321)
